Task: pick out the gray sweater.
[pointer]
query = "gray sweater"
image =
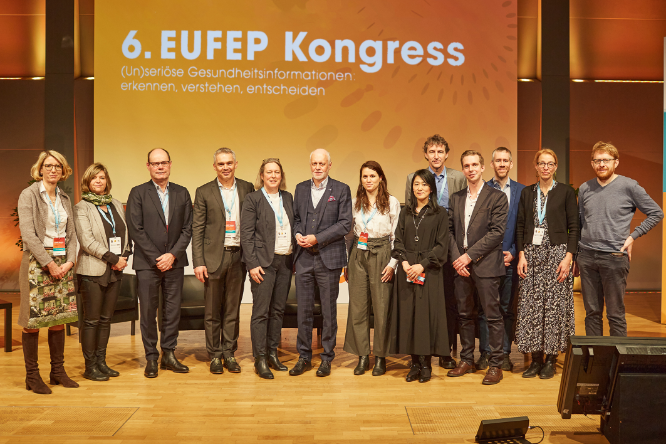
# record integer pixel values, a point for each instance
(606, 213)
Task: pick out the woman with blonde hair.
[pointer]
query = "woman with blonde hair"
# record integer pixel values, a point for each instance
(267, 243)
(547, 238)
(102, 231)
(46, 277)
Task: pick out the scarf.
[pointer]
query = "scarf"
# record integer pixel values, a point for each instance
(96, 199)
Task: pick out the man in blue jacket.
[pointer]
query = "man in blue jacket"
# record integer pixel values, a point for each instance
(502, 163)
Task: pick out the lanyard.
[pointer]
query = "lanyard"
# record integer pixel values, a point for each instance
(280, 215)
(233, 200)
(164, 201)
(366, 222)
(56, 214)
(111, 222)
(443, 188)
(542, 213)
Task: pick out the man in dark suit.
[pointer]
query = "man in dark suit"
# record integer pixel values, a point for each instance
(159, 221)
(217, 257)
(448, 181)
(502, 163)
(322, 217)
(477, 223)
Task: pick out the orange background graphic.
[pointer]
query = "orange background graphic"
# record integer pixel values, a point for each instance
(383, 116)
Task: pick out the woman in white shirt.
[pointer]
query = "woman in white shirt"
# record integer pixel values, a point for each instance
(267, 243)
(370, 270)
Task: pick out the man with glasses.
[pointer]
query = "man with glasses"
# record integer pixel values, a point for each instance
(159, 221)
(502, 163)
(607, 206)
(448, 181)
(216, 253)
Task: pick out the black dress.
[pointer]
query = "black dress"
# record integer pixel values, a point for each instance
(418, 312)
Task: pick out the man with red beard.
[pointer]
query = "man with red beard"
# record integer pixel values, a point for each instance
(607, 204)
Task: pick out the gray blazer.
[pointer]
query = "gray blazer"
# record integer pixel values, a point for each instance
(33, 213)
(455, 180)
(209, 223)
(485, 231)
(258, 228)
(92, 236)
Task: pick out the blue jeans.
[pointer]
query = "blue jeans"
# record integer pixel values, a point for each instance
(507, 290)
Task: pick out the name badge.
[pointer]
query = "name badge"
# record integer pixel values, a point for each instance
(114, 245)
(420, 279)
(282, 236)
(539, 233)
(59, 246)
(362, 241)
(230, 229)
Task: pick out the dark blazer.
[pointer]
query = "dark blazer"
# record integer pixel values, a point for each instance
(148, 229)
(210, 221)
(561, 213)
(258, 228)
(334, 221)
(509, 243)
(485, 232)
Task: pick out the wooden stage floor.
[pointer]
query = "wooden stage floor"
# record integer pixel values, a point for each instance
(201, 407)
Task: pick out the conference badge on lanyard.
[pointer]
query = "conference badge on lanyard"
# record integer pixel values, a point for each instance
(115, 246)
(363, 238)
(59, 246)
(362, 241)
(58, 242)
(230, 229)
(539, 233)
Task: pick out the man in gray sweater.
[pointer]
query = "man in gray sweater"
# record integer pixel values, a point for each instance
(607, 205)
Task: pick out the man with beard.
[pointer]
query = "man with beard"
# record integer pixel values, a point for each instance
(502, 163)
(607, 205)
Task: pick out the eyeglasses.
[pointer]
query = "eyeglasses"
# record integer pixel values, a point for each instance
(156, 164)
(546, 165)
(49, 167)
(598, 162)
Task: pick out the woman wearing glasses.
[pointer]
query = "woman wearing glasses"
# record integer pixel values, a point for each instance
(46, 276)
(370, 271)
(547, 239)
(267, 244)
(101, 228)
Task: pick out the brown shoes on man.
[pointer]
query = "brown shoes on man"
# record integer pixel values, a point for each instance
(462, 368)
(493, 376)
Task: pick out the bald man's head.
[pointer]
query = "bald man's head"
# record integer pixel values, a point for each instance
(320, 164)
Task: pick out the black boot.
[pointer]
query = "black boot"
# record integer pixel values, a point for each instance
(535, 367)
(169, 362)
(363, 365)
(261, 367)
(274, 362)
(33, 381)
(103, 332)
(426, 369)
(414, 369)
(548, 369)
(380, 366)
(93, 373)
(57, 350)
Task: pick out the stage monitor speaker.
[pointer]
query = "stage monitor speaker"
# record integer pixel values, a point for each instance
(637, 410)
(491, 430)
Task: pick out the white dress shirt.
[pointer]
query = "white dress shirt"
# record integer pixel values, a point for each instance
(50, 221)
(469, 209)
(164, 200)
(317, 191)
(381, 225)
(281, 247)
(229, 195)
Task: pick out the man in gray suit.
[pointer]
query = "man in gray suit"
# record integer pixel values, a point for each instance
(477, 223)
(322, 218)
(449, 181)
(216, 253)
(159, 221)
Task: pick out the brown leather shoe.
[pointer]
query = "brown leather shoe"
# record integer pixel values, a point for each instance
(493, 376)
(462, 368)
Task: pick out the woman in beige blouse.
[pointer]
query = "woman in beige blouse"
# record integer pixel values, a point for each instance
(370, 271)
(46, 276)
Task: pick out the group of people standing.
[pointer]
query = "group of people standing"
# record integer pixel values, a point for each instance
(457, 253)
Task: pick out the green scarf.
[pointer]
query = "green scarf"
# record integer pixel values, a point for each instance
(96, 199)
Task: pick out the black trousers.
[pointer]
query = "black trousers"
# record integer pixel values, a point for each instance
(99, 303)
(223, 293)
(451, 304)
(488, 293)
(268, 301)
(311, 271)
(171, 282)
